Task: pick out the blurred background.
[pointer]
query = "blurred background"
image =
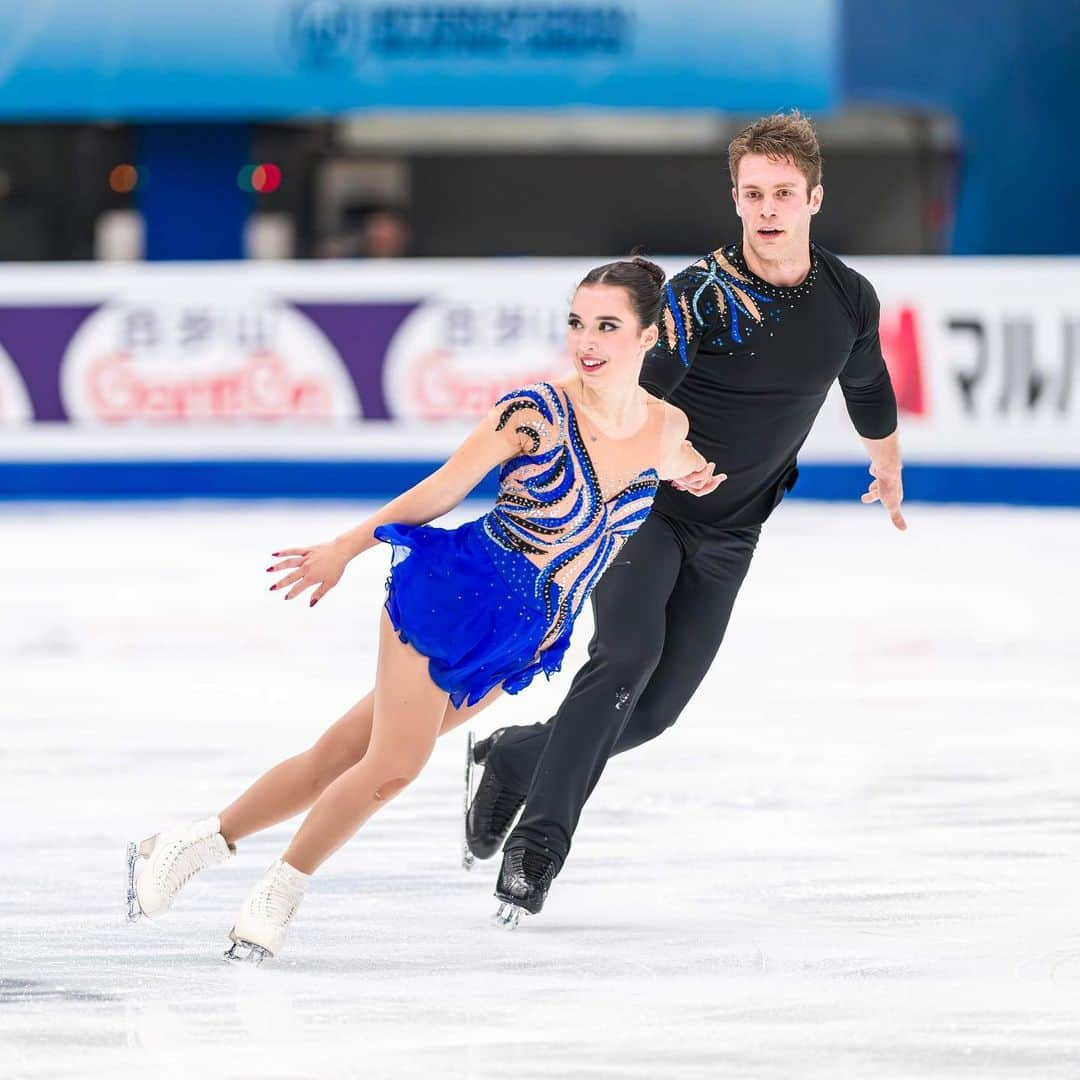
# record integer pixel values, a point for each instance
(217, 217)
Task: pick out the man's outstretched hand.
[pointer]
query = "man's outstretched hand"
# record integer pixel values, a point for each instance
(888, 489)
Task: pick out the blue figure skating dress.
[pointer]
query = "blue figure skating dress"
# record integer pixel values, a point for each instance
(494, 602)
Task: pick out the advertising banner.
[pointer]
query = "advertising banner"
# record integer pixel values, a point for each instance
(984, 356)
(257, 58)
(393, 360)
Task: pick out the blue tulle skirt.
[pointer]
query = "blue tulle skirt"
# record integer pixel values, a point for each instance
(470, 607)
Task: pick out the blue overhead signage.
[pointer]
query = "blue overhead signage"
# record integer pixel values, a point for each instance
(273, 58)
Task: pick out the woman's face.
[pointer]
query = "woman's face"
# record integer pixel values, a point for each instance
(606, 342)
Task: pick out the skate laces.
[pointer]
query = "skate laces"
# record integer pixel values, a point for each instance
(277, 899)
(183, 859)
(538, 868)
(531, 867)
(504, 806)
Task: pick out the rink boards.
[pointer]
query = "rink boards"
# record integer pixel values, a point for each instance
(355, 379)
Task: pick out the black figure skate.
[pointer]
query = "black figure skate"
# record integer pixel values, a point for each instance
(489, 815)
(523, 885)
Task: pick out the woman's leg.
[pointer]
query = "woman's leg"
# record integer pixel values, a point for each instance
(293, 786)
(453, 718)
(409, 712)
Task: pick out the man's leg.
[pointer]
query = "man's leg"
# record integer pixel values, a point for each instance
(710, 581)
(629, 604)
(713, 567)
(633, 591)
(697, 618)
(585, 731)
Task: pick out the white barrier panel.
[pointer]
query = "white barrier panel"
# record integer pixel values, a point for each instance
(984, 356)
(374, 361)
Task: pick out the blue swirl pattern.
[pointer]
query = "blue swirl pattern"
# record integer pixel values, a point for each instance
(718, 294)
(550, 507)
(492, 603)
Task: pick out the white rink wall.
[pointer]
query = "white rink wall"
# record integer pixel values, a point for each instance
(202, 380)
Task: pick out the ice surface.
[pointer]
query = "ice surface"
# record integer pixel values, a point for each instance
(855, 855)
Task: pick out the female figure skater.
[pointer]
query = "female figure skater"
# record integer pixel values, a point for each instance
(469, 611)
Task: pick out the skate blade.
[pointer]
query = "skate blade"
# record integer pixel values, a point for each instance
(508, 916)
(134, 912)
(468, 860)
(135, 852)
(246, 952)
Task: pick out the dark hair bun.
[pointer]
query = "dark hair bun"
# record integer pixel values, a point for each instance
(650, 268)
(643, 280)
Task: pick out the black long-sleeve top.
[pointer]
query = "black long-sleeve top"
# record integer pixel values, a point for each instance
(751, 363)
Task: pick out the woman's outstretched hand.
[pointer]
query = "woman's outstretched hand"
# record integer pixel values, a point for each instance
(320, 566)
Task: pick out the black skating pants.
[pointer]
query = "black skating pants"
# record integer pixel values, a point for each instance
(660, 610)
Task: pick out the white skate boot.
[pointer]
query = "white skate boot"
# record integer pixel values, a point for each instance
(265, 914)
(173, 858)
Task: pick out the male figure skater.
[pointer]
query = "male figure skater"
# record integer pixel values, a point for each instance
(751, 338)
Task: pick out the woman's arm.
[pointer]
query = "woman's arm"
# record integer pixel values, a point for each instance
(322, 565)
(678, 457)
(445, 488)
(686, 462)
(682, 464)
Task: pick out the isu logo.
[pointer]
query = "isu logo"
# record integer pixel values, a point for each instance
(322, 33)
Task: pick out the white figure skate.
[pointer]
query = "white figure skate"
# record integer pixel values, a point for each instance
(173, 858)
(266, 913)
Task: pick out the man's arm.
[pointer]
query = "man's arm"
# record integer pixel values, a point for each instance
(681, 329)
(885, 467)
(871, 404)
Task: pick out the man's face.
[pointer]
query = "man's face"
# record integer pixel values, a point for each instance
(775, 207)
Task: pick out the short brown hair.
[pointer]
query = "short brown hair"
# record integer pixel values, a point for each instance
(784, 136)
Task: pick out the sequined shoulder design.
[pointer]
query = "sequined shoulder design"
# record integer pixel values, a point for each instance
(551, 507)
(718, 296)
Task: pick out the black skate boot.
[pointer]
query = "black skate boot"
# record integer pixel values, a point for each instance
(523, 885)
(490, 814)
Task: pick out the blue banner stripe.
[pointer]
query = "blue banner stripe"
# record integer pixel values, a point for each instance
(367, 480)
(215, 479)
(269, 58)
(987, 484)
